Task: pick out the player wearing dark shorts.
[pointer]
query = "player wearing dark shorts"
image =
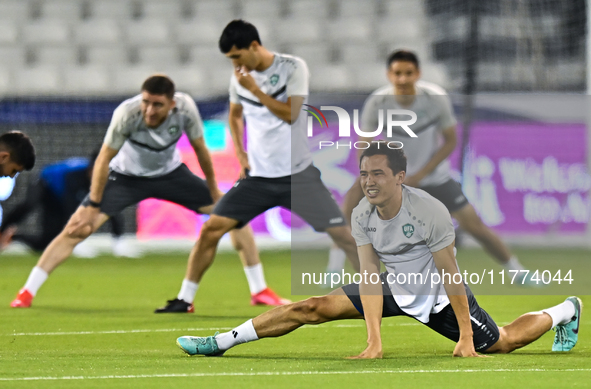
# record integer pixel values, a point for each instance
(303, 193)
(267, 91)
(444, 322)
(139, 160)
(410, 233)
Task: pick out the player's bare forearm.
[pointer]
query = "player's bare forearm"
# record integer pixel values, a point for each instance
(205, 162)
(456, 292)
(371, 300)
(448, 146)
(100, 172)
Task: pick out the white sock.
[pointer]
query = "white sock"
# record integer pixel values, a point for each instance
(35, 280)
(336, 260)
(242, 334)
(513, 264)
(256, 278)
(562, 313)
(188, 290)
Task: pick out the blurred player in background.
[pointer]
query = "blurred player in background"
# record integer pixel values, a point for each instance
(428, 165)
(425, 247)
(267, 91)
(16, 153)
(57, 193)
(139, 160)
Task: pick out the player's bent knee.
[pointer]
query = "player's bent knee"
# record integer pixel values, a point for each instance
(80, 233)
(213, 230)
(310, 311)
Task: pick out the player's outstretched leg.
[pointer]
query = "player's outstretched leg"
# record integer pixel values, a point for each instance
(260, 293)
(200, 258)
(276, 322)
(564, 317)
(55, 254)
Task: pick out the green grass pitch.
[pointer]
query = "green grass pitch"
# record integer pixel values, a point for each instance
(92, 325)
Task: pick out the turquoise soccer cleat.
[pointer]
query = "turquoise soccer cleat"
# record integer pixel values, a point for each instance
(197, 345)
(567, 334)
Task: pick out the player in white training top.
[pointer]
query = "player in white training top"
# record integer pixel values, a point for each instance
(139, 160)
(428, 165)
(267, 91)
(410, 232)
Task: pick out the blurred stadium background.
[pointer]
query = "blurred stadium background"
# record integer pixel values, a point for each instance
(517, 71)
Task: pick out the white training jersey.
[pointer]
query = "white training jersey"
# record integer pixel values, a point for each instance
(151, 152)
(275, 147)
(405, 245)
(434, 114)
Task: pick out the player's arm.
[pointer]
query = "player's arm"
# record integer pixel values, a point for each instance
(445, 262)
(100, 175)
(288, 111)
(372, 301)
(206, 164)
(236, 124)
(448, 146)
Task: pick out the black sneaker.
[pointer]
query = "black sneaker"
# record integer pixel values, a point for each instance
(176, 306)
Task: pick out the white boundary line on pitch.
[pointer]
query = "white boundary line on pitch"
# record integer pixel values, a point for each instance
(287, 373)
(58, 333)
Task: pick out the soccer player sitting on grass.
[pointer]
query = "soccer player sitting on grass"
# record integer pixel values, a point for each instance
(139, 160)
(410, 232)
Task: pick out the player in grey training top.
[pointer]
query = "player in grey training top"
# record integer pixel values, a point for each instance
(410, 232)
(428, 163)
(139, 160)
(267, 91)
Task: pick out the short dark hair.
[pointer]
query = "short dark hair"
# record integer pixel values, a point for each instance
(159, 84)
(239, 33)
(20, 148)
(396, 157)
(403, 55)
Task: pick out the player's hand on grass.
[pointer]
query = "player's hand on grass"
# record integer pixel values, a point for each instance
(245, 79)
(465, 348)
(371, 352)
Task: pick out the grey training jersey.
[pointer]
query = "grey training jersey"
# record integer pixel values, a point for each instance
(434, 114)
(404, 244)
(151, 152)
(275, 147)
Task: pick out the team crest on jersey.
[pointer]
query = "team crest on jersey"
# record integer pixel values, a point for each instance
(274, 79)
(173, 130)
(408, 230)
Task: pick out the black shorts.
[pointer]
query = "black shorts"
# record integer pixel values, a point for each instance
(449, 193)
(303, 193)
(180, 186)
(486, 332)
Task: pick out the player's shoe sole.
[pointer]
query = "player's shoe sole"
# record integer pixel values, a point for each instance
(567, 334)
(24, 299)
(197, 345)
